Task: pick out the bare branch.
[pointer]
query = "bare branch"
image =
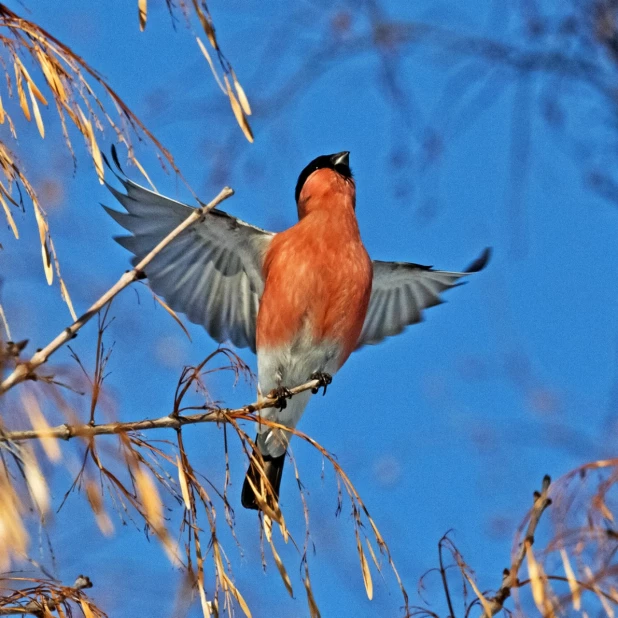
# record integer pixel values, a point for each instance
(25, 370)
(509, 581)
(173, 421)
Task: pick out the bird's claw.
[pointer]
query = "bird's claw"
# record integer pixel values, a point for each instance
(281, 393)
(324, 380)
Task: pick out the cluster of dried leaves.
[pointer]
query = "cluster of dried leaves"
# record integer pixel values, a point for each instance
(44, 597)
(136, 474)
(223, 72)
(72, 85)
(37, 67)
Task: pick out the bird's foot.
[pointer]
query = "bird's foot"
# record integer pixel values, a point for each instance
(324, 380)
(281, 393)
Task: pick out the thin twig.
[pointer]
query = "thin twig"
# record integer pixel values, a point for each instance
(444, 578)
(25, 370)
(219, 415)
(509, 581)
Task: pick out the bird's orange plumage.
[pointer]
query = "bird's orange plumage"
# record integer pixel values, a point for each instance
(317, 273)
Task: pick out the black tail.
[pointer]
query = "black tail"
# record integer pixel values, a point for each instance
(273, 469)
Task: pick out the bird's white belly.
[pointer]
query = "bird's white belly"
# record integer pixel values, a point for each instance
(289, 366)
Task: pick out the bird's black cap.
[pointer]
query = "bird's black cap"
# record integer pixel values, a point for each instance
(340, 162)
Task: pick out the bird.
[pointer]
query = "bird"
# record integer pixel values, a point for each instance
(302, 299)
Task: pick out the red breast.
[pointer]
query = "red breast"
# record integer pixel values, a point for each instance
(317, 273)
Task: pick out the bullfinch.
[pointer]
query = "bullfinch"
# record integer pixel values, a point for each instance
(303, 299)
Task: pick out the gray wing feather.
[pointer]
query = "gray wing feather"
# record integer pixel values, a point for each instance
(400, 291)
(212, 272)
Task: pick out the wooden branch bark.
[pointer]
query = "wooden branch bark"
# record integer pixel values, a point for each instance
(172, 421)
(510, 580)
(25, 370)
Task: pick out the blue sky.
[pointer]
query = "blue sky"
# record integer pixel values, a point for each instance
(450, 425)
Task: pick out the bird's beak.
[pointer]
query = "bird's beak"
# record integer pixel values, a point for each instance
(341, 158)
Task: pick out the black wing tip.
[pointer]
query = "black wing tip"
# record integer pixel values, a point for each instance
(114, 155)
(480, 262)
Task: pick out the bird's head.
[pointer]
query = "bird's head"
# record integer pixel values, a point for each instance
(326, 182)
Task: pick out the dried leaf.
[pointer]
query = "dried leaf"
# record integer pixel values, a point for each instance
(282, 526)
(31, 85)
(210, 33)
(606, 606)
(13, 535)
(174, 315)
(96, 156)
(537, 583)
(149, 497)
(49, 273)
(235, 593)
(211, 65)
(538, 590)
(52, 77)
(242, 97)
(86, 128)
(206, 605)
(153, 511)
(284, 575)
(142, 10)
(313, 606)
(376, 532)
(93, 493)
(373, 555)
(481, 597)
(364, 567)
(43, 230)
(37, 485)
(11, 127)
(66, 298)
(5, 324)
(2, 112)
(143, 171)
(268, 528)
(182, 480)
(573, 585)
(238, 113)
(206, 25)
(22, 95)
(604, 602)
(9, 216)
(37, 113)
(86, 609)
(40, 424)
(266, 508)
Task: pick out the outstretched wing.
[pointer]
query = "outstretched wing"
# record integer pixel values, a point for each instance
(212, 272)
(400, 291)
